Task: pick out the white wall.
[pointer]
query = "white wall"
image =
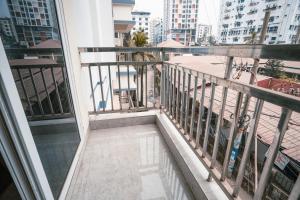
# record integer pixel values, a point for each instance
(88, 24)
(122, 12)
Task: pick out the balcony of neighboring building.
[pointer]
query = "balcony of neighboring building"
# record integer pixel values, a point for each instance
(123, 22)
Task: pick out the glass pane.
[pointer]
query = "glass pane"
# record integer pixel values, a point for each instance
(30, 34)
(8, 189)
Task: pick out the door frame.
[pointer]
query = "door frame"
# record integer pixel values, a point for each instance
(21, 138)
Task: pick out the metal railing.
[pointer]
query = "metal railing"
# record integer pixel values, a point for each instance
(43, 91)
(192, 112)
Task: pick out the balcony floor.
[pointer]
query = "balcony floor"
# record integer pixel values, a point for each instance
(128, 163)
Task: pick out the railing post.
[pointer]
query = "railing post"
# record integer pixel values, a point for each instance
(182, 98)
(201, 109)
(192, 123)
(295, 193)
(232, 134)
(208, 118)
(178, 97)
(187, 101)
(221, 115)
(174, 93)
(92, 89)
(272, 152)
(252, 132)
(101, 86)
(120, 89)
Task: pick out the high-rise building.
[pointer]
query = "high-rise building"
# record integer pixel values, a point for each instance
(203, 33)
(156, 31)
(142, 21)
(241, 18)
(180, 20)
(153, 22)
(33, 21)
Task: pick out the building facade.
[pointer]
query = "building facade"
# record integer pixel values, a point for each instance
(239, 20)
(34, 21)
(203, 33)
(156, 31)
(123, 22)
(142, 22)
(180, 20)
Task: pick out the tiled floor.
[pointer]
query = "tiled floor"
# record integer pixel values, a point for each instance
(128, 163)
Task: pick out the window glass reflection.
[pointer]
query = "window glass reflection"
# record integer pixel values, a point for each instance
(30, 35)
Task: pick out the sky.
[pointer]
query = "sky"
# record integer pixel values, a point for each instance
(208, 10)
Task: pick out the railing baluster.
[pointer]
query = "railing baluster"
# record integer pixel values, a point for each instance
(120, 89)
(146, 86)
(68, 92)
(154, 79)
(36, 92)
(92, 88)
(162, 86)
(295, 193)
(187, 108)
(46, 90)
(201, 110)
(182, 99)
(25, 92)
(220, 116)
(167, 87)
(272, 152)
(137, 87)
(252, 131)
(193, 107)
(57, 92)
(174, 93)
(233, 129)
(101, 87)
(178, 96)
(208, 118)
(128, 86)
(170, 90)
(110, 87)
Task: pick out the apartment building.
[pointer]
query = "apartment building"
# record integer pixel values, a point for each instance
(156, 31)
(123, 22)
(240, 19)
(142, 22)
(203, 33)
(33, 21)
(180, 20)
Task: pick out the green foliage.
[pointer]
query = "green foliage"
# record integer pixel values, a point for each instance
(140, 39)
(273, 68)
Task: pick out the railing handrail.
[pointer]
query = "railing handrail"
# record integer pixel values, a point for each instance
(283, 52)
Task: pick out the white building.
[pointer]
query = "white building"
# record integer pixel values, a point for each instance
(156, 31)
(153, 22)
(142, 22)
(180, 20)
(239, 19)
(123, 22)
(203, 33)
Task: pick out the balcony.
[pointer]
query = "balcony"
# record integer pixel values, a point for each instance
(160, 130)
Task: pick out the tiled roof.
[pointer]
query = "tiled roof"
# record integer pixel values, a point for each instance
(270, 114)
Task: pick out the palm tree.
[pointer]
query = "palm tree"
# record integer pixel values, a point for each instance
(139, 39)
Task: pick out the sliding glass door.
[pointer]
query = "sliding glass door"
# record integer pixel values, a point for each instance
(31, 38)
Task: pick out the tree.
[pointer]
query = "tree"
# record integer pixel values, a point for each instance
(273, 68)
(252, 39)
(140, 38)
